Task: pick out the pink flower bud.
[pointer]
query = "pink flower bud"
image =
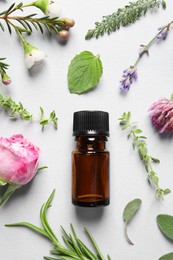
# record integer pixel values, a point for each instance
(5, 79)
(18, 160)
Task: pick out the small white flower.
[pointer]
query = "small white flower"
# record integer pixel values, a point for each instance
(51, 8)
(34, 57)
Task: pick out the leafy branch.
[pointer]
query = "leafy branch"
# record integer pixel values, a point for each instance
(29, 22)
(123, 17)
(74, 248)
(138, 141)
(17, 110)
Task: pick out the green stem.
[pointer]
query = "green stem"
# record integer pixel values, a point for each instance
(151, 43)
(126, 235)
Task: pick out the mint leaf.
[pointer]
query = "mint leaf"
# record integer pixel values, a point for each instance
(167, 257)
(165, 224)
(84, 72)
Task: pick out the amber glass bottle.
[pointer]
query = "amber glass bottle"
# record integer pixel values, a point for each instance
(90, 160)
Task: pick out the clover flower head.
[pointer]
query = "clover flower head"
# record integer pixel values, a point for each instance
(51, 8)
(163, 32)
(33, 55)
(161, 114)
(129, 75)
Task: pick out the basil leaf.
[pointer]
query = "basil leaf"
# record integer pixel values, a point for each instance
(167, 257)
(131, 209)
(165, 224)
(84, 72)
(128, 214)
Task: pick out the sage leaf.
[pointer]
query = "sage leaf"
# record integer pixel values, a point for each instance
(165, 224)
(128, 213)
(167, 257)
(84, 72)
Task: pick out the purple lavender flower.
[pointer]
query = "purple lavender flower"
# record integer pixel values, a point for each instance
(163, 32)
(161, 114)
(129, 75)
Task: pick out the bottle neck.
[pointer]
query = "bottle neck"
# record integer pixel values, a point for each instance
(91, 143)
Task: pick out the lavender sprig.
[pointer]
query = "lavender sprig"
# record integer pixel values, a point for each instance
(141, 145)
(128, 77)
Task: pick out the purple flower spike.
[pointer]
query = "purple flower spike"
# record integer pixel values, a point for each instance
(129, 75)
(161, 114)
(163, 34)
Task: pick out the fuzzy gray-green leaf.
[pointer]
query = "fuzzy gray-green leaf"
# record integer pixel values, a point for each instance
(131, 209)
(165, 224)
(167, 257)
(84, 72)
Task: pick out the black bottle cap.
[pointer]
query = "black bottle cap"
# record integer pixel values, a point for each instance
(91, 123)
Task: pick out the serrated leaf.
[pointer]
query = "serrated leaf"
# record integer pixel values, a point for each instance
(130, 209)
(165, 224)
(84, 72)
(167, 257)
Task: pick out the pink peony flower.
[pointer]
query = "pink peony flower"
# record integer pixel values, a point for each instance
(161, 114)
(18, 163)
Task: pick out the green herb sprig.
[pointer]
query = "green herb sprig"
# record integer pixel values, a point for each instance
(138, 141)
(29, 22)
(74, 248)
(17, 110)
(123, 17)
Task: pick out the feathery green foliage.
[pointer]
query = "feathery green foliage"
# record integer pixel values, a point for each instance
(123, 17)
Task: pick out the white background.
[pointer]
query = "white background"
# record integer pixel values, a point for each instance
(46, 85)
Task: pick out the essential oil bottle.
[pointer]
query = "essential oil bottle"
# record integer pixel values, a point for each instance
(90, 159)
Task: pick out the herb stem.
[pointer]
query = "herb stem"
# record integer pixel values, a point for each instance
(126, 234)
(151, 42)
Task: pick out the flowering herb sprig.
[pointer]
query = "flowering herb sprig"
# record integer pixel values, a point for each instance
(25, 24)
(74, 248)
(17, 110)
(130, 74)
(3, 67)
(138, 141)
(123, 17)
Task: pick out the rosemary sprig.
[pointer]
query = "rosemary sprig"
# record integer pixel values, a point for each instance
(29, 22)
(123, 17)
(17, 110)
(74, 248)
(141, 145)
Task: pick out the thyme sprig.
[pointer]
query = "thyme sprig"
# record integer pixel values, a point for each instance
(73, 247)
(138, 141)
(123, 17)
(17, 110)
(29, 22)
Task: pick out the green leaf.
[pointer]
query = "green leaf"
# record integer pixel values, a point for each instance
(131, 209)
(7, 194)
(84, 72)
(2, 182)
(128, 213)
(167, 257)
(165, 224)
(155, 160)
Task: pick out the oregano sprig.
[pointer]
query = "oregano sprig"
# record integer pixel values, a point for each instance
(123, 17)
(73, 247)
(17, 110)
(139, 142)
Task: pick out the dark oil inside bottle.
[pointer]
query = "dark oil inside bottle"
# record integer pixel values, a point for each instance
(90, 169)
